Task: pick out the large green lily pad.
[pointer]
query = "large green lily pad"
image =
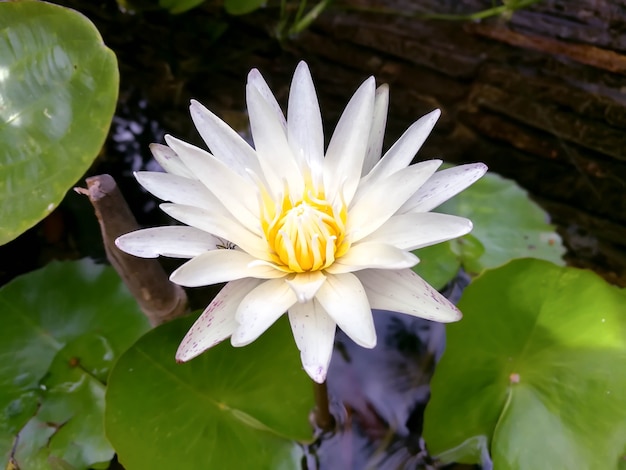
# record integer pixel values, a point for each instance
(62, 328)
(58, 90)
(228, 408)
(507, 225)
(534, 373)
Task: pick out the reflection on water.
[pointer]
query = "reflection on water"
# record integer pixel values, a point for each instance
(379, 395)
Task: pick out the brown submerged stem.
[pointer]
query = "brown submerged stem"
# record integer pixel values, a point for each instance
(159, 299)
(324, 420)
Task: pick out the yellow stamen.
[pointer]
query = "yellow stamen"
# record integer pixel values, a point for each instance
(304, 234)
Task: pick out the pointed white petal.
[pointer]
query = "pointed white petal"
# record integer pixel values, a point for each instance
(212, 267)
(170, 162)
(373, 255)
(263, 262)
(405, 292)
(225, 143)
(378, 202)
(417, 230)
(260, 309)
(306, 285)
(270, 140)
(304, 124)
(256, 79)
(314, 332)
(402, 152)
(217, 322)
(442, 186)
(343, 297)
(224, 227)
(178, 189)
(347, 147)
(377, 133)
(236, 193)
(175, 241)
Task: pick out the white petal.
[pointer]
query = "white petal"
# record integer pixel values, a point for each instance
(219, 225)
(306, 285)
(236, 193)
(417, 230)
(256, 79)
(304, 124)
(175, 241)
(378, 202)
(402, 152)
(347, 147)
(217, 322)
(178, 189)
(377, 133)
(170, 162)
(216, 266)
(405, 292)
(373, 255)
(260, 309)
(314, 332)
(442, 186)
(270, 140)
(225, 143)
(343, 297)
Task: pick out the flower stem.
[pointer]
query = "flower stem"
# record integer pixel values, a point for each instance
(159, 299)
(324, 420)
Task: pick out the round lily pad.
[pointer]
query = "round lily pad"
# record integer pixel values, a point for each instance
(228, 408)
(533, 376)
(58, 91)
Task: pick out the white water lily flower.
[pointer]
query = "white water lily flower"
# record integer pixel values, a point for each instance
(325, 237)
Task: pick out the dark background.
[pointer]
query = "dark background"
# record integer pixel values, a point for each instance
(540, 96)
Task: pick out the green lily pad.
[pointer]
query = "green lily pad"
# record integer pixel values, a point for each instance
(228, 408)
(507, 225)
(63, 328)
(58, 91)
(534, 374)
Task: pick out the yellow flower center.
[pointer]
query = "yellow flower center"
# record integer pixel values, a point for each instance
(307, 235)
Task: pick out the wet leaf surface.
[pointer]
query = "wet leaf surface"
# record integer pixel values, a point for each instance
(58, 91)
